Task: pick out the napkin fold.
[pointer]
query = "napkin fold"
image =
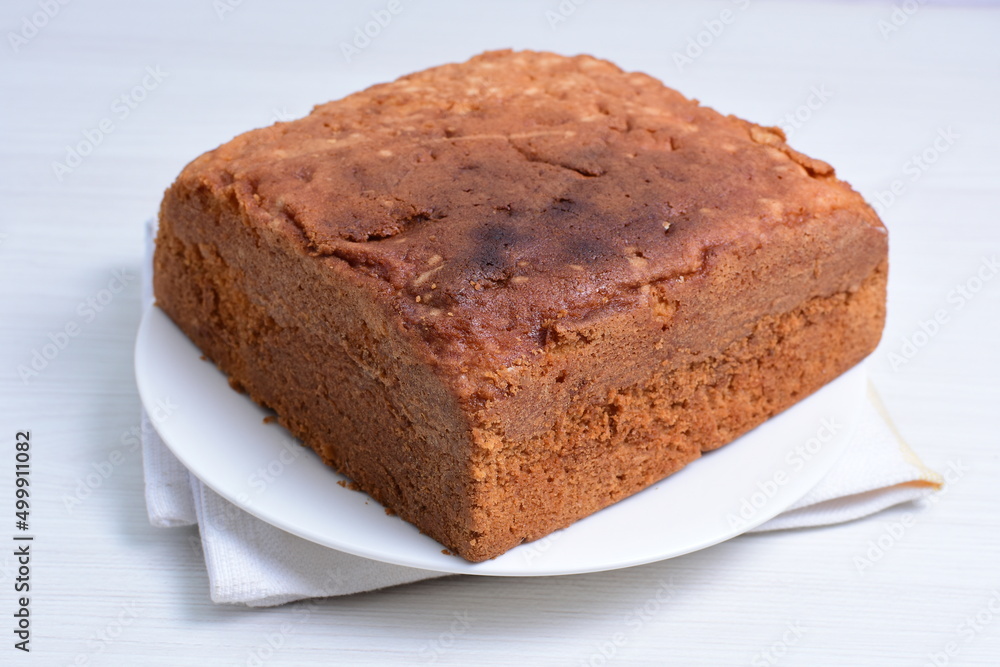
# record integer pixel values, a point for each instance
(252, 562)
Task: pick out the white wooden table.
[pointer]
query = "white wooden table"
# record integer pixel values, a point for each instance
(903, 104)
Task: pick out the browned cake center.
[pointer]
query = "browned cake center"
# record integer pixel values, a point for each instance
(520, 189)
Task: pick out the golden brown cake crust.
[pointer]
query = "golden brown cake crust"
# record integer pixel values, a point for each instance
(553, 248)
(519, 189)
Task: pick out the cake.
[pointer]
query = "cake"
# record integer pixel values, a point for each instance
(504, 294)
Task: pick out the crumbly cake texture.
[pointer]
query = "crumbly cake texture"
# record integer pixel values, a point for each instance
(503, 294)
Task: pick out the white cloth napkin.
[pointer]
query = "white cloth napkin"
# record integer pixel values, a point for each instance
(253, 563)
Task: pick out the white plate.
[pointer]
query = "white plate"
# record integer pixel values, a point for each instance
(220, 436)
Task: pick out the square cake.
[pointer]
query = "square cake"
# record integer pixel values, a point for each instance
(503, 294)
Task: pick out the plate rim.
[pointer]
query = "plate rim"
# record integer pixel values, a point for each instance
(462, 566)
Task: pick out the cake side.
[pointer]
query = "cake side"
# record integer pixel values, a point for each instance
(673, 322)
(594, 440)
(309, 341)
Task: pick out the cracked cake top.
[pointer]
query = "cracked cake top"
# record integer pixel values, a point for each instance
(500, 195)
